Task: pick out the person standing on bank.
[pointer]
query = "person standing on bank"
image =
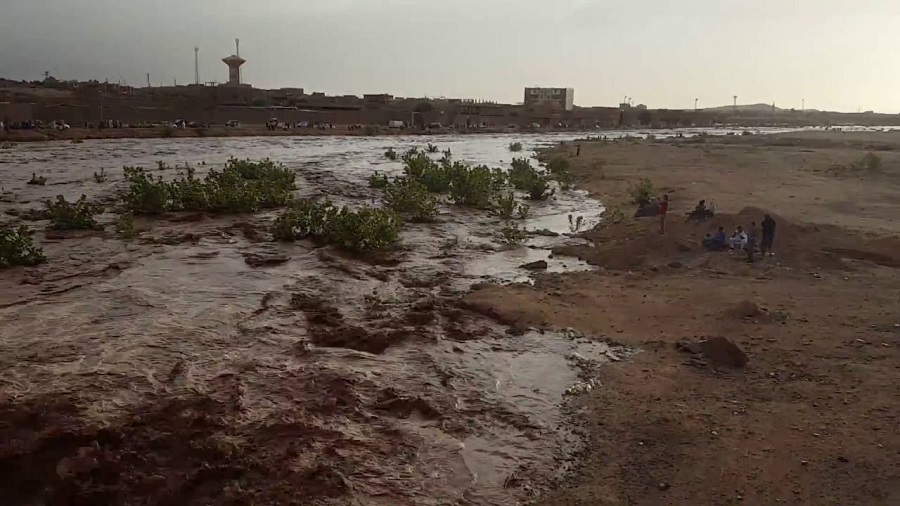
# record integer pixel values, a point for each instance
(768, 236)
(663, 209)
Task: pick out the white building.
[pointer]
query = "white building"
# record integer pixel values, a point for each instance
(563, 98)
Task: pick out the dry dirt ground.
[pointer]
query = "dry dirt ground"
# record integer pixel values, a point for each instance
(814, 417)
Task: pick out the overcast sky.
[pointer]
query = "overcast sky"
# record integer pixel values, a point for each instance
(837, 54)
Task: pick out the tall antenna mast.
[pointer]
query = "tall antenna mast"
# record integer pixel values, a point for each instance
(237, 49)
(196, 65)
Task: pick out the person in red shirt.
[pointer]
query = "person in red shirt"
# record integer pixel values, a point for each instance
(663, 209)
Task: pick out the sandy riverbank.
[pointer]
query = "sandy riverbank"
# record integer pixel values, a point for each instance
(812, 419)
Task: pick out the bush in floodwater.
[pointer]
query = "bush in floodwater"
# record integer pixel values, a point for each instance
(410, 198)
(37, 181)
(431, 148)
(362, 230)
(243, 186)
(378, 180)
(473, 186)
(64, 215)
(511, 233)
(435, 176)
(575, 224)
(391, 155)
(100, 177)
(506, 207)
(17, 248)
(125, 226)
(515, 147)
(523, 176)
(642, 193)
(561, 170)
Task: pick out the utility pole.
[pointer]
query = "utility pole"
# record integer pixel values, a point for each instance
(148, 79)
(735, 102)
(802, 104)
(696, 100)
(196, 65)
(237, 52)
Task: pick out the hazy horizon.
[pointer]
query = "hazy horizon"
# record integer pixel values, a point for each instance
(831, 53)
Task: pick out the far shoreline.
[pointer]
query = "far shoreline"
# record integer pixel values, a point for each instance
(76, 134)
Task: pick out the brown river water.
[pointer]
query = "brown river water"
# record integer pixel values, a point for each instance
(169, 370)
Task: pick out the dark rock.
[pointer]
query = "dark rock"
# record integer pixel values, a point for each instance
(543, 232)
(265, 259)
(689, 346)
(540, 265)
(722, 351)
(843, 459)
(664, 486)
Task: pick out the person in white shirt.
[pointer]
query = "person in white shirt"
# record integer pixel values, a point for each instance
(739, 239)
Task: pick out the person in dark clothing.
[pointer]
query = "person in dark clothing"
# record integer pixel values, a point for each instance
(752, 238)
(768, 236)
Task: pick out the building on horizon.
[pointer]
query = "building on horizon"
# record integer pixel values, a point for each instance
(562, 98)
(234, 63)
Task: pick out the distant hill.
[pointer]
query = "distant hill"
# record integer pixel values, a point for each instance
(743, 108)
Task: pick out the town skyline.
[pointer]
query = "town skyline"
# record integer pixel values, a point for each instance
(353, 47)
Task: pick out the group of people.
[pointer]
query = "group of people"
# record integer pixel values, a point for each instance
(745, 240)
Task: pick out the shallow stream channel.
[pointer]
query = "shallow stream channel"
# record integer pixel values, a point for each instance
(203, 361)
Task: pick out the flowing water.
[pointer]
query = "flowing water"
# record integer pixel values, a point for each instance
(191, 374)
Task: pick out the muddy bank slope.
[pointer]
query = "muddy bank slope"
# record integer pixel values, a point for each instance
(812, 417)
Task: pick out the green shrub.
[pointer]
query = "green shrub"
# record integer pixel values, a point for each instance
(523, 176)
(378, 180)
(17, 248)
(243, 186)
(391, 155)
(410, 198)
(431, 148)
(147, 194)
(64, 215)
(505, 205)
(511, 233)
(515, 147)
(472, 186)
(642, 193)
(366, 229)
(561, 170)
(125, 226)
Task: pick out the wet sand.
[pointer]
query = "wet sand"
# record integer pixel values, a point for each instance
(813, 418)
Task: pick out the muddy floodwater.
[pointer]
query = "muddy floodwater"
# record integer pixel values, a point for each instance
(203, 363)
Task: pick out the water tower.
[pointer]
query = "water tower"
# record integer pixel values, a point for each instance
(234, 63)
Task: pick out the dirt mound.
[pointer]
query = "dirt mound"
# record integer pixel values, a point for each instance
(636, 244)
(746, 309)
